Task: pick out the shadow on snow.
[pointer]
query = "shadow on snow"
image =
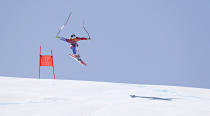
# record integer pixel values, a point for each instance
(152, 98)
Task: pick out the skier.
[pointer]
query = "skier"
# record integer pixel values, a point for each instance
(73, 41)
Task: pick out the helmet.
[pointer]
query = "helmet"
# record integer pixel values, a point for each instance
(73, 36)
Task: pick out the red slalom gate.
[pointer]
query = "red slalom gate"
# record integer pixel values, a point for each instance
(46, 60)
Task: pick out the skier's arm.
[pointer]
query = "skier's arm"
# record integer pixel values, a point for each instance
(82, 38)
(61, 38)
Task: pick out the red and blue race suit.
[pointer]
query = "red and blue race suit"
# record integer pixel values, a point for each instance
(73, 42)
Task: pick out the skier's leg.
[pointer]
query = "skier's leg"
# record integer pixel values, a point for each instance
(74, 50)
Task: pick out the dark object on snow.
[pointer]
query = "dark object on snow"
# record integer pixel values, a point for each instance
(152, 98)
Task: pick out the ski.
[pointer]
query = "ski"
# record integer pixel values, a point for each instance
(78, 59)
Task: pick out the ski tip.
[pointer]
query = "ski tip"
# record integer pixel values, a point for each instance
(84, 64)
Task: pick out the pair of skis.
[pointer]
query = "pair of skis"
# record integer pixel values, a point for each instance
(77, 58)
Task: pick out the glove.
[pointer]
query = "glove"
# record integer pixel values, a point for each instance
(57, 37)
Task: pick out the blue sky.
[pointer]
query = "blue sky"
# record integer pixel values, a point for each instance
(135, 41)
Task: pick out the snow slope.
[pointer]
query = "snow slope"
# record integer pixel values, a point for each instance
(46, 97)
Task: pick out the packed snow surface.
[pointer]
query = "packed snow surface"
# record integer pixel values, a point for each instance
(48, 97)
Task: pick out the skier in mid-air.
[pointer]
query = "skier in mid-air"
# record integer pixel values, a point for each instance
(73, 41)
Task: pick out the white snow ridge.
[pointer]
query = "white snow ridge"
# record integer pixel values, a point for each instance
(47, 97)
